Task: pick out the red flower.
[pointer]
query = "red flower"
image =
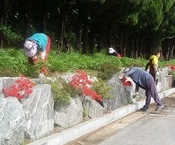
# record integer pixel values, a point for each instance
(171, 66)
(20, 89)
(125, 82)
(81, 81)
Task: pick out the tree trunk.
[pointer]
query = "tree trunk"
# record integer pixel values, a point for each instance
(109, 33)
(79, 32)
(85, 38)
(5, 6)
(171, 56)
(92, 43)
(64, 18)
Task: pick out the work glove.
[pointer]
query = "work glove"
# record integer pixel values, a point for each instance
(35, 59)
(41, 75)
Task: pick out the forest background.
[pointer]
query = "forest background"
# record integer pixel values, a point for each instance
(135, 28)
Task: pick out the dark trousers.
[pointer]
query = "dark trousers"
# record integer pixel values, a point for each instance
(151, 91)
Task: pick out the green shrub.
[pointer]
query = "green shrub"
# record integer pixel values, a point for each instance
(172, 72)
(107, 70)
(70, 90)
(9, 34)
(8, 72)
(12, 63)
(130, 62)
(31, 71)
(85, 112)
(101, 87)
(62, 91)
(38, 65)
(60, 95)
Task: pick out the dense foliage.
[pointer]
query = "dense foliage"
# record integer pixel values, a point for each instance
(136, 28)
(100, 65)
(13, 62)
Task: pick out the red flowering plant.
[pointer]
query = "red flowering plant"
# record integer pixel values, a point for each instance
(20, 89)
(82, 82)
(172, 67)
(125, 82)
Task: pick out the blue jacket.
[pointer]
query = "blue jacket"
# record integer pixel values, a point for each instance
(41, 40)
(139, 76)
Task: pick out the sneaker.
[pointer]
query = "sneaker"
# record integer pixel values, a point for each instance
(143, 109)
(159, 107)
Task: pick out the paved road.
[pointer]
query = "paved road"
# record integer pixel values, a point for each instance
(139, 128)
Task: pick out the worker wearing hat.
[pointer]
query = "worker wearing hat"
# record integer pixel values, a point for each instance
(37, 48)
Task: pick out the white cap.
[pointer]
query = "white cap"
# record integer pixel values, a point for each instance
(126, 70)
(30, 48)
(111, 50)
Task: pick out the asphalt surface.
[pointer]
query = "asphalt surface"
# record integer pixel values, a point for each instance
(139, 128)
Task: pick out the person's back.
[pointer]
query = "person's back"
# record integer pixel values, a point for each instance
(41, 40)
(139, 76)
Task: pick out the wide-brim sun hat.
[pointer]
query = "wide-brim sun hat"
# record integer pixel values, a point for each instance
(28, 44)
(30, 48)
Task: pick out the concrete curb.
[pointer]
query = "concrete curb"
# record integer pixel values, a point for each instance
(79, 130)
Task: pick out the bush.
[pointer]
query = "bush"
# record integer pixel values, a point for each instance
(60, 95)
(62, 91)
(71, 90)
(85, 112)
(107, 70)
(101, 87)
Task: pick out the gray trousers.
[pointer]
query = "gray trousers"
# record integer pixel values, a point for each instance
(151, 91)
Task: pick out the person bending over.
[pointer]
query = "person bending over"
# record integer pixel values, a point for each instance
(37, 47)
(145, 81)
(114, 52)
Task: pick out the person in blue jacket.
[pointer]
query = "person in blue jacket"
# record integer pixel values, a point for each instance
(145, 81)
(37, 47)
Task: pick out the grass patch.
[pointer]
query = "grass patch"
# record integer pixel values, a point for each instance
(13, 62)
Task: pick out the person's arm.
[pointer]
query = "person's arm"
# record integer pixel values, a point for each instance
(130, 72)
(155, 68)
(42, 54)
(137, 88)
(115, 53)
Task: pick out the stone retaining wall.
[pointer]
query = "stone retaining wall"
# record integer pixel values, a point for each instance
(37, 116)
